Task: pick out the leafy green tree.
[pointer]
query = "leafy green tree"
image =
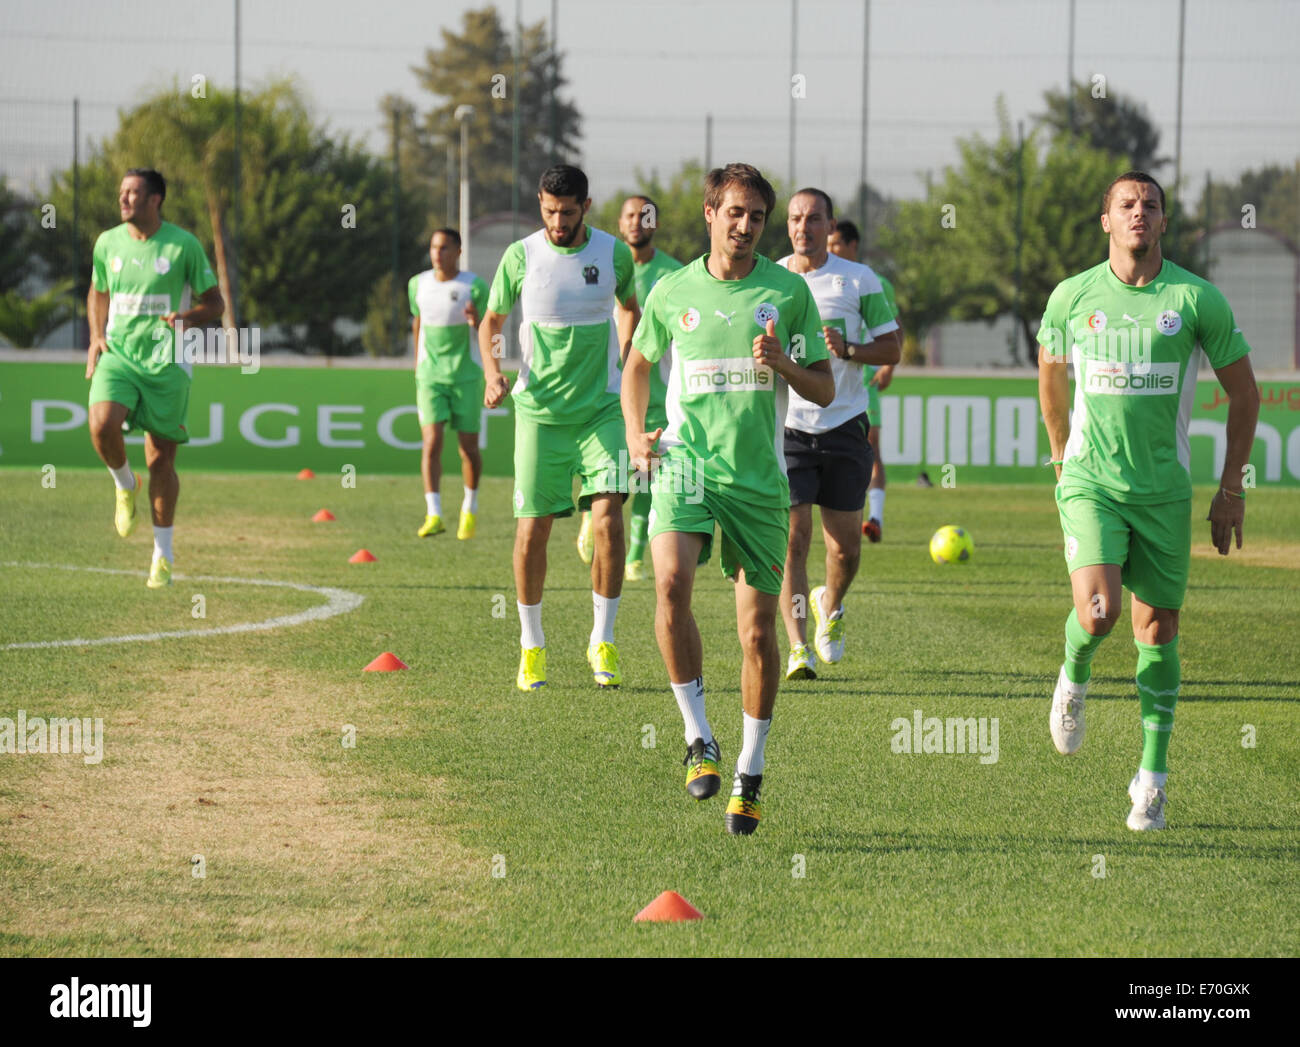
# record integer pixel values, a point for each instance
(26, 321)
(1108, 122)
(477, 67)
(20, 232)
(1272, 192)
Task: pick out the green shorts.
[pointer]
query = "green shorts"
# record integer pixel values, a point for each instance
(155, 403)
(547, 457)
(459, 402)
(753, 537)
(1152, 544)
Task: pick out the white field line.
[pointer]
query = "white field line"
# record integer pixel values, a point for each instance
(338, 601)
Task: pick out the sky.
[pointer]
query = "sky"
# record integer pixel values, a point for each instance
(645, 74)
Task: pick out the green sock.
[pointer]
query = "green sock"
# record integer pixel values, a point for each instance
(640, 515)
(1158, 677)
(1080, 646)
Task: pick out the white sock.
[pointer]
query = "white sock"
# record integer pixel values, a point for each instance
(876, 503)
(750, 760)
(123, 478)
(1152, 779)
(690, 700)
(470, 502)
(606, 607)
(530, 625)
(433, 503)
(162, 542)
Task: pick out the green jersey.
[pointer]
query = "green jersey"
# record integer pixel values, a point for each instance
(567, 338)
(448, 349)
(1135, 364)
(146, 280)
(647, 275)
(870, 369)
(725, 410)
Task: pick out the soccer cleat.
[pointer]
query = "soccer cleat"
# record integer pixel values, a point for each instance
(1066, 720)
(124, 512)
(635, 571)
(160, 573)
(1148, 806)
(586, 540)
(802, 664)
(872, 530)
(703, 779)
(432, 525)
(743, 809)
(465, 529)
(603, 659)
(829, 638)
(532, 668)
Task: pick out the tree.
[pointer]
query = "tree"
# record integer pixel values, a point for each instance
(476, 67)
(20, 232)
(1272, 192)
(955, 253)
(24, 322)
(316, 225)
(1108, 122)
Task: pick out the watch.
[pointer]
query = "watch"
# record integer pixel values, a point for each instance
(852, 350)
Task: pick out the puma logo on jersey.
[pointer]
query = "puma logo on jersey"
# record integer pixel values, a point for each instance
(1133, 319)
(726, 316)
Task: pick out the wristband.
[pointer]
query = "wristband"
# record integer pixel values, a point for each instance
(1235, 494)
(1057, 461)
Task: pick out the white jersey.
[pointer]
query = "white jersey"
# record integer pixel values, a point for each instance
(849, 297)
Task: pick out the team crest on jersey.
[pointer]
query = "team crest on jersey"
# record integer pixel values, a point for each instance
(115, 265)
(591, 274)
(837, 282)
(689, 320)
(1097, 321)
(1170, 322)
(455, 295)
(765, 312)
(161, 265)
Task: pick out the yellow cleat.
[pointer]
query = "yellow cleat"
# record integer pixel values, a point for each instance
(586, 540)
(160, 573)
(432, 525)
(603, 659)
(465, 529)
(703, 779)
(634, 571)
(124, 513)
(743, 809)
(532, 668)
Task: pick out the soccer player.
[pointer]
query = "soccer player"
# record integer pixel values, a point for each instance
(845, 242)
(1131, 326)
(569, 278)
(447, 305)
(827, 455)
(737, 329)
(145, 271)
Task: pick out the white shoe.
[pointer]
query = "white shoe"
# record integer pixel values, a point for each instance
(802, 664)
(1148, 806)
(829, 638)
(1066, 720)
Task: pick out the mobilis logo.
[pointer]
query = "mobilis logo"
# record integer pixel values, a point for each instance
(738, 375)
(1125, 379)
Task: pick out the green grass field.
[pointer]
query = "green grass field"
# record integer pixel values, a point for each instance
(472, 819)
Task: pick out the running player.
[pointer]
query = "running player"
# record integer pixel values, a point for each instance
(827, 455)
(139, 303)
(730, 323)
(845, 242)
(1131, 326)
(569, 278)
(447, 305)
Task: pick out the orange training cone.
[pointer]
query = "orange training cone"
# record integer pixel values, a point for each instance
(324, 516)
(669, 907)
(385, 663)
(306, 474)
(362, 556)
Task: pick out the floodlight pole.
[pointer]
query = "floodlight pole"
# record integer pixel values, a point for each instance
(463, 113)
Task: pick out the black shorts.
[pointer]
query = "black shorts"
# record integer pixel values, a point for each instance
(830, 469)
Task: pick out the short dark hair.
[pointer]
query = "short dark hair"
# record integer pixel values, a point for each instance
(848, 232)
(449, 233)
(642, 196)
(746, 176)
(564, 180)
(810, 191)
(153, 181)
(1131, 176)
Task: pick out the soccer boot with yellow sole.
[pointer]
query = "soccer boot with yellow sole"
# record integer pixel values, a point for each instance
(603, 659)
(634, 571)
(432, 525)
(160, 573)
(829, 639)
(124, 518)
(703, 779)
(586, 539)
(532, 668)
(467, 525)
(802, 664)
(743, 809)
